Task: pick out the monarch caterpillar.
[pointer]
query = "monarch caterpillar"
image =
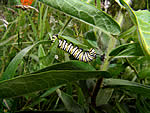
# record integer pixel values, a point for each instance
(78, 53)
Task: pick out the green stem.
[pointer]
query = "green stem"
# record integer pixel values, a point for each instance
(133, 68)
(62, 30)
(111, 45)
(147, 4)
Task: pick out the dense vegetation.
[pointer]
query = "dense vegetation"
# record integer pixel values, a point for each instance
(36, 75)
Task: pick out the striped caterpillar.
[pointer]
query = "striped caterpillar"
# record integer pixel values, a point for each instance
(78, 53)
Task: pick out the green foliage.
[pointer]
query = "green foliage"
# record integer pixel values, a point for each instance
(85, 13)
(35, 75)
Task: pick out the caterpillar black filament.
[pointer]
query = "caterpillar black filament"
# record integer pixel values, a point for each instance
(78, 53)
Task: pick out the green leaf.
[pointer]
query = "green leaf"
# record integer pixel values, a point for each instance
(69, 103)
(122, 108)
(142, 105)
(41, 54)
(81, 97)
(33, 26)
(86, 13)
(103, 96)
(145, 73)
(49, 59)
(12, 67)
(26, 84)
(50, 91)
(90, 39)
(3, 43)
(133, 87)
(36, 102)
(130, 11)
(127, 50)
(128, 33)
(41, 21)
(44, 21)
(141, 20)
(116, 69)
(8, 30)
(70, 65)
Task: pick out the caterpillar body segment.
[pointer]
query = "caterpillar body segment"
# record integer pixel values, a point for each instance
(78, 53)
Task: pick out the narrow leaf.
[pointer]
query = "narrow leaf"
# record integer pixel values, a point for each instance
(127, 50)
(69, 103)
(12, 67)
(128, 85)
(22, 85)
(70, 65)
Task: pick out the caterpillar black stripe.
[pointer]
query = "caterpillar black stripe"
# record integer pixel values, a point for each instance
(78, 53)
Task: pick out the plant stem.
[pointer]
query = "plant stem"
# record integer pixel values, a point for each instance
(96, 90)
(147, 4)
(133, 68)
(62, 30)
(111, 45)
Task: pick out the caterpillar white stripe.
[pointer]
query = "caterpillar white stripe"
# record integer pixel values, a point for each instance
(78, 53)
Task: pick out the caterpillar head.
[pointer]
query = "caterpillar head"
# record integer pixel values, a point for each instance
(92, 52)
(54, 37)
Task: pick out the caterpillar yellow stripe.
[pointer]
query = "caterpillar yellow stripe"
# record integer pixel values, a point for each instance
(78, 53)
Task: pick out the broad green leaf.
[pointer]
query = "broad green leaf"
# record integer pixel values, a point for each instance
(12, 67)
(70, 65)
(127, 50)
(69, 103)
(26, 84)
(141, 20)
(86, 13)
(128, 85)
(103, 96)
